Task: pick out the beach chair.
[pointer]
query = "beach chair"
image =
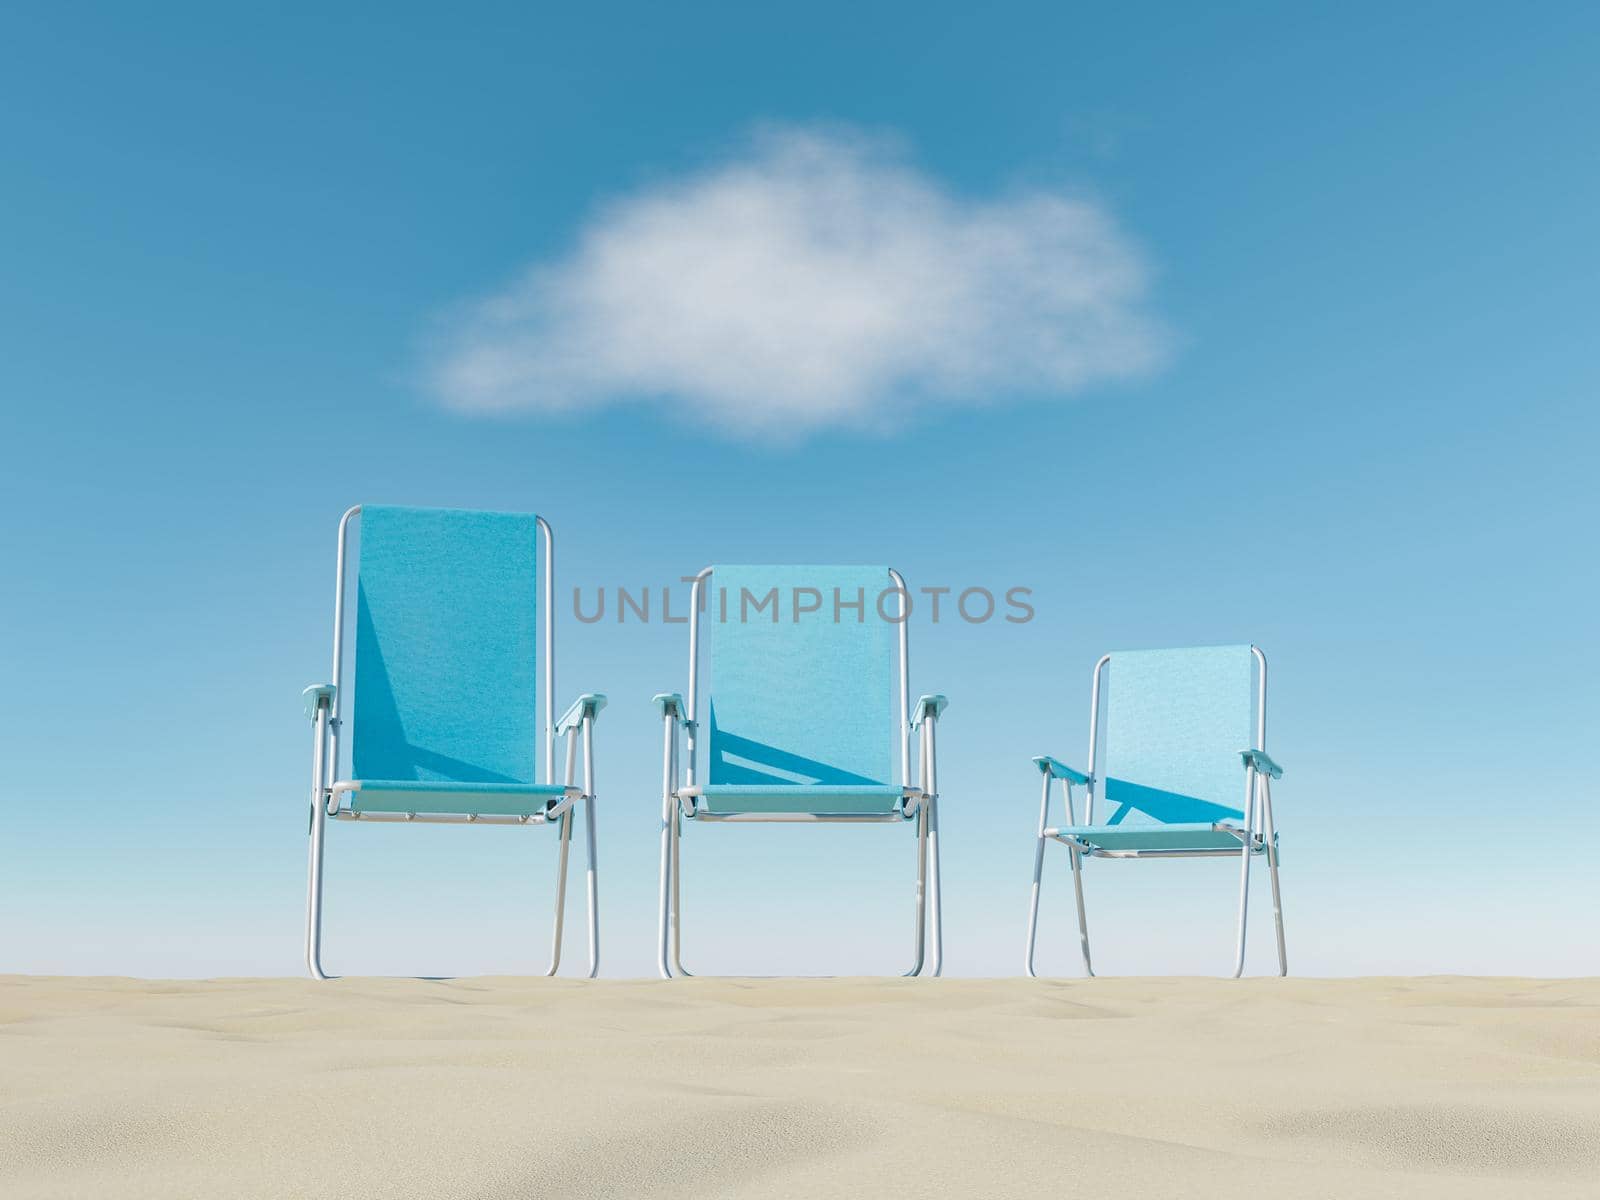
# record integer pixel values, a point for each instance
(446, 721)
(1185, 774)
(807, 719)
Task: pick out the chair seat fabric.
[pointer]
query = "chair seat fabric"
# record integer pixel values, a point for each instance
(1192, 836)
(855, 799)
(443, 796)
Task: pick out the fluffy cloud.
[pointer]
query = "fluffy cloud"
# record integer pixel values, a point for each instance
(817, 280)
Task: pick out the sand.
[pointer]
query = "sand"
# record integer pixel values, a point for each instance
(758, 1088)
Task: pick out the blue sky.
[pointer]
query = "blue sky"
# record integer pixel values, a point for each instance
(235, 246)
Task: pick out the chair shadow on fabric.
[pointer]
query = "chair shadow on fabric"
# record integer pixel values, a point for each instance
(381, 743)
(761, 764)
(1165, 808)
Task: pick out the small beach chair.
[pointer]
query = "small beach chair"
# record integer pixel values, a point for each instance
(1178, 768)
(454, 643)
(807, 719)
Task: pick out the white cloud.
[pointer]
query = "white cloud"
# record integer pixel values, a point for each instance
(816, 281)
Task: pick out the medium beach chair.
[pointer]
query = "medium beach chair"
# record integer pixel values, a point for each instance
(1185, 774)
(446, 721)
(807, 718)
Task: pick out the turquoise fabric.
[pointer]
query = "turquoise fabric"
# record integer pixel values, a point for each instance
(432, 796)
(852, 799)
(800, 697)
(446, 678)
(1175, 723)
(1185, 836)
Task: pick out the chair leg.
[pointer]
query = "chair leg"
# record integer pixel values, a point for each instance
(561, 891)
(592, 878)
(1033, 909)
(594, 891)
(677, 894)
(1277, 907)
(1244, 904)
(1038, 874)
(314, 899)
(665, 910)
(319, 822)
(1272, 869)
(920, 939)
(1083, 916)
(935, 907)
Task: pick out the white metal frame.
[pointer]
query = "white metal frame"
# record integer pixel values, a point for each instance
(1257, 834)
(679, 800)
(577, 724)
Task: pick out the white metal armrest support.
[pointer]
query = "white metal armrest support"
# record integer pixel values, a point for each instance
(675, 718)
(579, 719)
(924, 722)
(577, 725)
(319, 699)
(1049, 769)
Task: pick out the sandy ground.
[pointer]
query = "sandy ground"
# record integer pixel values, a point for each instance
(758, 1088)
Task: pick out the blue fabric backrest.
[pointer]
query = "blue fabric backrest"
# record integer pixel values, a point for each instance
(1176, 721)
(446, 646)
(807, 700)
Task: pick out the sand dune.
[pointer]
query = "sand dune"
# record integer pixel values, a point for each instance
(762, 1088)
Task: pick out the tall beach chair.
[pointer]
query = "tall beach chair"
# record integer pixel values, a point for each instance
(1178, 768)
(454, 643)
(807, 718)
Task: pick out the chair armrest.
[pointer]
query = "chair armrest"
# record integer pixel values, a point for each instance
(1059, 770)
(587, 705)
(1262, 763)
(318, 695)
(670, 704)
(927, 708)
